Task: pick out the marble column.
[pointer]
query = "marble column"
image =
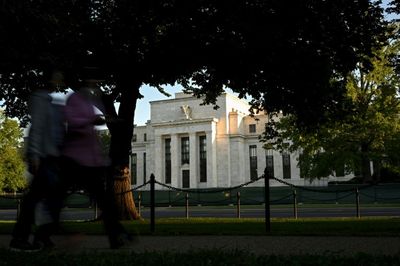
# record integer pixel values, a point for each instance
(175, 164)
(211, 159)
(158, 159)
(193, 163)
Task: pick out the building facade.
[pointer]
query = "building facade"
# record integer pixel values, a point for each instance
(189, 145)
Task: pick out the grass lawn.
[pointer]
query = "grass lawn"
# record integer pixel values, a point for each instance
(382, 226)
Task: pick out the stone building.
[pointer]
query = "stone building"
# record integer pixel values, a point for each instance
(189, 145)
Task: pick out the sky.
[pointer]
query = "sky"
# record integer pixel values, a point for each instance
(142, 113)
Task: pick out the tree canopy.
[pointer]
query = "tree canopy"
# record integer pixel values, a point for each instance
(292, 56)
(281, 53)
(368, 131)
(11, 164)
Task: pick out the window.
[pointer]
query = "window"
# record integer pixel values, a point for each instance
(252, 128)
(185, 150)
(286, 165)
(270, 163)
(253, 161)
(203, 158)
(144, 137)
(144, 168)
(134, 138)
(134, 169)
(168, 161)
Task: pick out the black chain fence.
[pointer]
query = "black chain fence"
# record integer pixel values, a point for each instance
(168, 195)
(251, 195)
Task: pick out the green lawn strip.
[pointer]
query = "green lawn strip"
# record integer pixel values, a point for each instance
(247, 226)
(251, 226)
(283, 206)
(194, 258)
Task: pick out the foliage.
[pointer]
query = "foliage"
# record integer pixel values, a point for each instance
(11, 164)
(368, 131)
(394, 7)
(290, 65)
(105, 140)
(281, 54)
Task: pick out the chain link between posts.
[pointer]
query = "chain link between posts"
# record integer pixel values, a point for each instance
(228, 189)
(321, 191)
(199, 190)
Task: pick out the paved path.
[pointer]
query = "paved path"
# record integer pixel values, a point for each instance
(283, 245)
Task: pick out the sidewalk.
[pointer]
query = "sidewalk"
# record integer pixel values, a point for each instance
(261, 245)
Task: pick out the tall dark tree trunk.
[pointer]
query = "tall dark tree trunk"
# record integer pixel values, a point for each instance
(121, 130)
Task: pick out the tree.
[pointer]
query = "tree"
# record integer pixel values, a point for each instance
(369, 130)
(394, 7)
(12, 174)
(282, 54)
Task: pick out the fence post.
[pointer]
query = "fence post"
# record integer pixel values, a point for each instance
(18, 208)
(266, 202)
(96, 214)
(169, 198)
(238, 204)
(152, 203)
(337, 197)
(358, 203)
(140, 203)
(294, 203)
(187, 205)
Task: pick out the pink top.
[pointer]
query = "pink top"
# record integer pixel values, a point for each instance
(81, 142)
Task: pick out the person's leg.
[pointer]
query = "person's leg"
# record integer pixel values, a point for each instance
(25, 220)
(59, 172)
(22, 228)
(48, 210)
(46, 226)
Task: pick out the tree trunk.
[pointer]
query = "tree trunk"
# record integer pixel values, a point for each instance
(121, 131)
(125, 200)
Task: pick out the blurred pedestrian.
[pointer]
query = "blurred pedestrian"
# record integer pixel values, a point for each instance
(83, 161)
(42, 154)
